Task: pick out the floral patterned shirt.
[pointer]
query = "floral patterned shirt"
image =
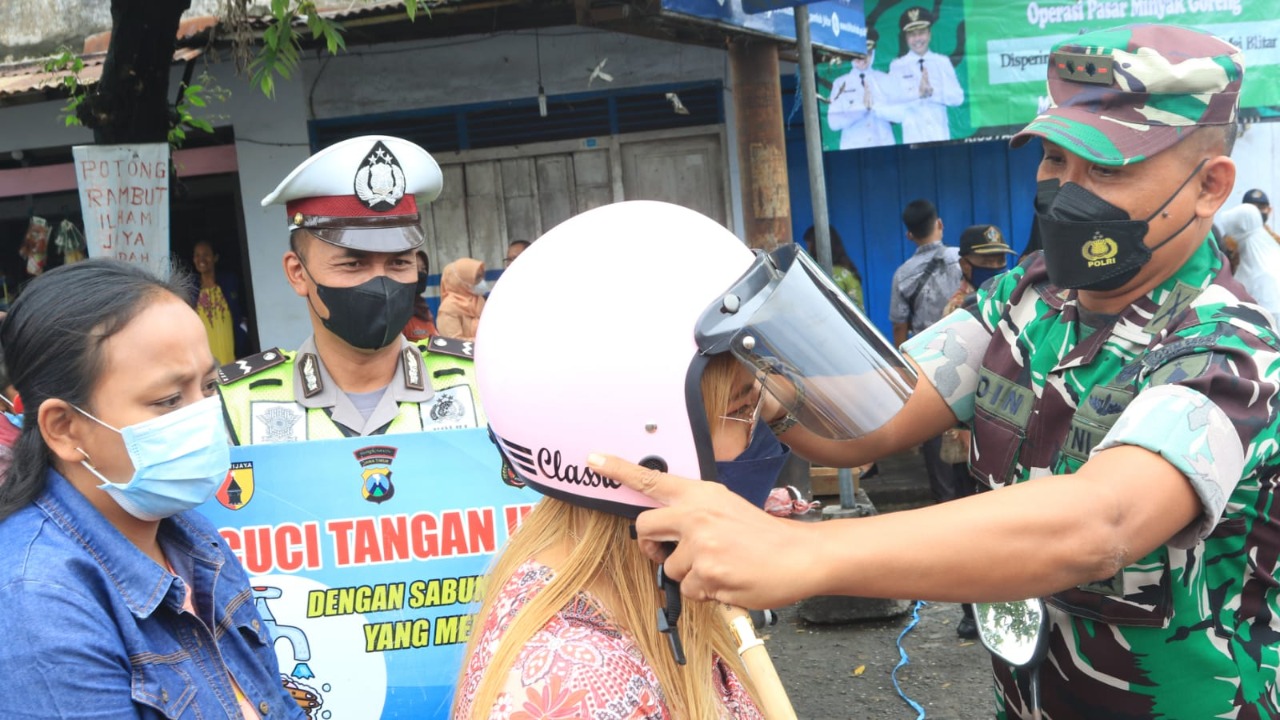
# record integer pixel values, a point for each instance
(579, 665)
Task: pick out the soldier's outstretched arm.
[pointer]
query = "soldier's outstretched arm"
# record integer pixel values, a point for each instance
(925, 415)
(1027, 540)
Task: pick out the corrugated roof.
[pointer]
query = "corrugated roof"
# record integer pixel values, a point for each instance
(29, 76)
(352, 10)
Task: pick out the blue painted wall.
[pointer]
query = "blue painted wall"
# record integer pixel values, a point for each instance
(970, 183)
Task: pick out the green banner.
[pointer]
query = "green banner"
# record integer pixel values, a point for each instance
(1000, 53)
(905, 93)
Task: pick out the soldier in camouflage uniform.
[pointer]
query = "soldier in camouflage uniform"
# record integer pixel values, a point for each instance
(1122, 388)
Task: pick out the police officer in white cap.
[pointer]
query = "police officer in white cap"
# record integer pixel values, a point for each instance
(354, 227)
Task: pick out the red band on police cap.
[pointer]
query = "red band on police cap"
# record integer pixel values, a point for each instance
(336, 206)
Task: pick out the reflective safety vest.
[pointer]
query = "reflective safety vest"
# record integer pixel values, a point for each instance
(260, 406)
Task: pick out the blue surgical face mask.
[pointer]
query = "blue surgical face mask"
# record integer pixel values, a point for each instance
(755, 471)
(978, 276)
(179, 460)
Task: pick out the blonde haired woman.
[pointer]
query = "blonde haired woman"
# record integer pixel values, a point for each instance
(569, 627)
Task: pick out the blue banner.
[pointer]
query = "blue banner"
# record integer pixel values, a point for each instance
(838, 25)
(367, 558)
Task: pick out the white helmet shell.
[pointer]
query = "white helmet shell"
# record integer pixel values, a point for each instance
(587, 342)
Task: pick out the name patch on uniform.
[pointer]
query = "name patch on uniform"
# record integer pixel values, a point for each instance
(1094, 418)
(1003, 398)
(1104, 405)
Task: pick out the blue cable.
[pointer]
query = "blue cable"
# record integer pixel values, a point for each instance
(902, 658)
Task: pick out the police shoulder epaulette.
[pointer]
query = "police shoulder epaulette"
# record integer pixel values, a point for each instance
(245, 367)
(449, 346)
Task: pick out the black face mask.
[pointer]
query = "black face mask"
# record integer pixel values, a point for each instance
(421, 287)
(370, 315)
(1090, 244)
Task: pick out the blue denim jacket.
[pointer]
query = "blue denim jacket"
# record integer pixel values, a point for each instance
(91, 626)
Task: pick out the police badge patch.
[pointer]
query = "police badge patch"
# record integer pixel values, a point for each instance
(379, 183)
(449, 409)
(376, 484)
(237, 487)
(273, 422)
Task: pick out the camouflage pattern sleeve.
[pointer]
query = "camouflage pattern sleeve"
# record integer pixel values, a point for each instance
(950, 352)
(1194, 435)
(1207, 403)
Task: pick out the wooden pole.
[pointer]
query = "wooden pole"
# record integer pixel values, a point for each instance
(762, 143)
(774, 702)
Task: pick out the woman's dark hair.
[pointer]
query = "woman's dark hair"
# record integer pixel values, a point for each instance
(839, 256)
(52, 340)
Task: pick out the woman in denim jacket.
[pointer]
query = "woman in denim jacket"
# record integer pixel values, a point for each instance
(118, 601)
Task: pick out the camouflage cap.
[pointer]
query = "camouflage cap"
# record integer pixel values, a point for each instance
(1120, 96)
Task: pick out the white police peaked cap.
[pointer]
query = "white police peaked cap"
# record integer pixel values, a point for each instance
(360, 193)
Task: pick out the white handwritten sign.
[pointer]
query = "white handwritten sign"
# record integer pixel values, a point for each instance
(124, 194)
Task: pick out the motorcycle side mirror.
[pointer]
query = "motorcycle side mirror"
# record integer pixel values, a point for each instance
(1015, 632)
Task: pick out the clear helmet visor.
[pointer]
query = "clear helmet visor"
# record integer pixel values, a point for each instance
(809, 346)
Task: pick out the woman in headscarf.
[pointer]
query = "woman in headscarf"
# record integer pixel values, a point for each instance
(462, 289)
(1259, 268)
(421, 326)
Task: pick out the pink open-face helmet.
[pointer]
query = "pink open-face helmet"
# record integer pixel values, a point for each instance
(597, 339)
(587, 345)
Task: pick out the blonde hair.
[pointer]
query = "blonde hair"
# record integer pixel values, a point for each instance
(601, 554)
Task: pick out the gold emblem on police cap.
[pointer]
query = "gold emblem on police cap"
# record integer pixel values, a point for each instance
(913, 14)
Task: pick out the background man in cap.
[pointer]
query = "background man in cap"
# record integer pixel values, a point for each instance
(1123, 399)
(1259, 198)
(861, 105)
(924, 81)
(354, 229)
(983, 255)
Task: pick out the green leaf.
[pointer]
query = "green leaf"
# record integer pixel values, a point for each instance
(333, 39)
(200, 124)
(411, 9)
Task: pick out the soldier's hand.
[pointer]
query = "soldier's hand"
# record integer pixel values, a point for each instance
(727, 549)
(926, 90)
